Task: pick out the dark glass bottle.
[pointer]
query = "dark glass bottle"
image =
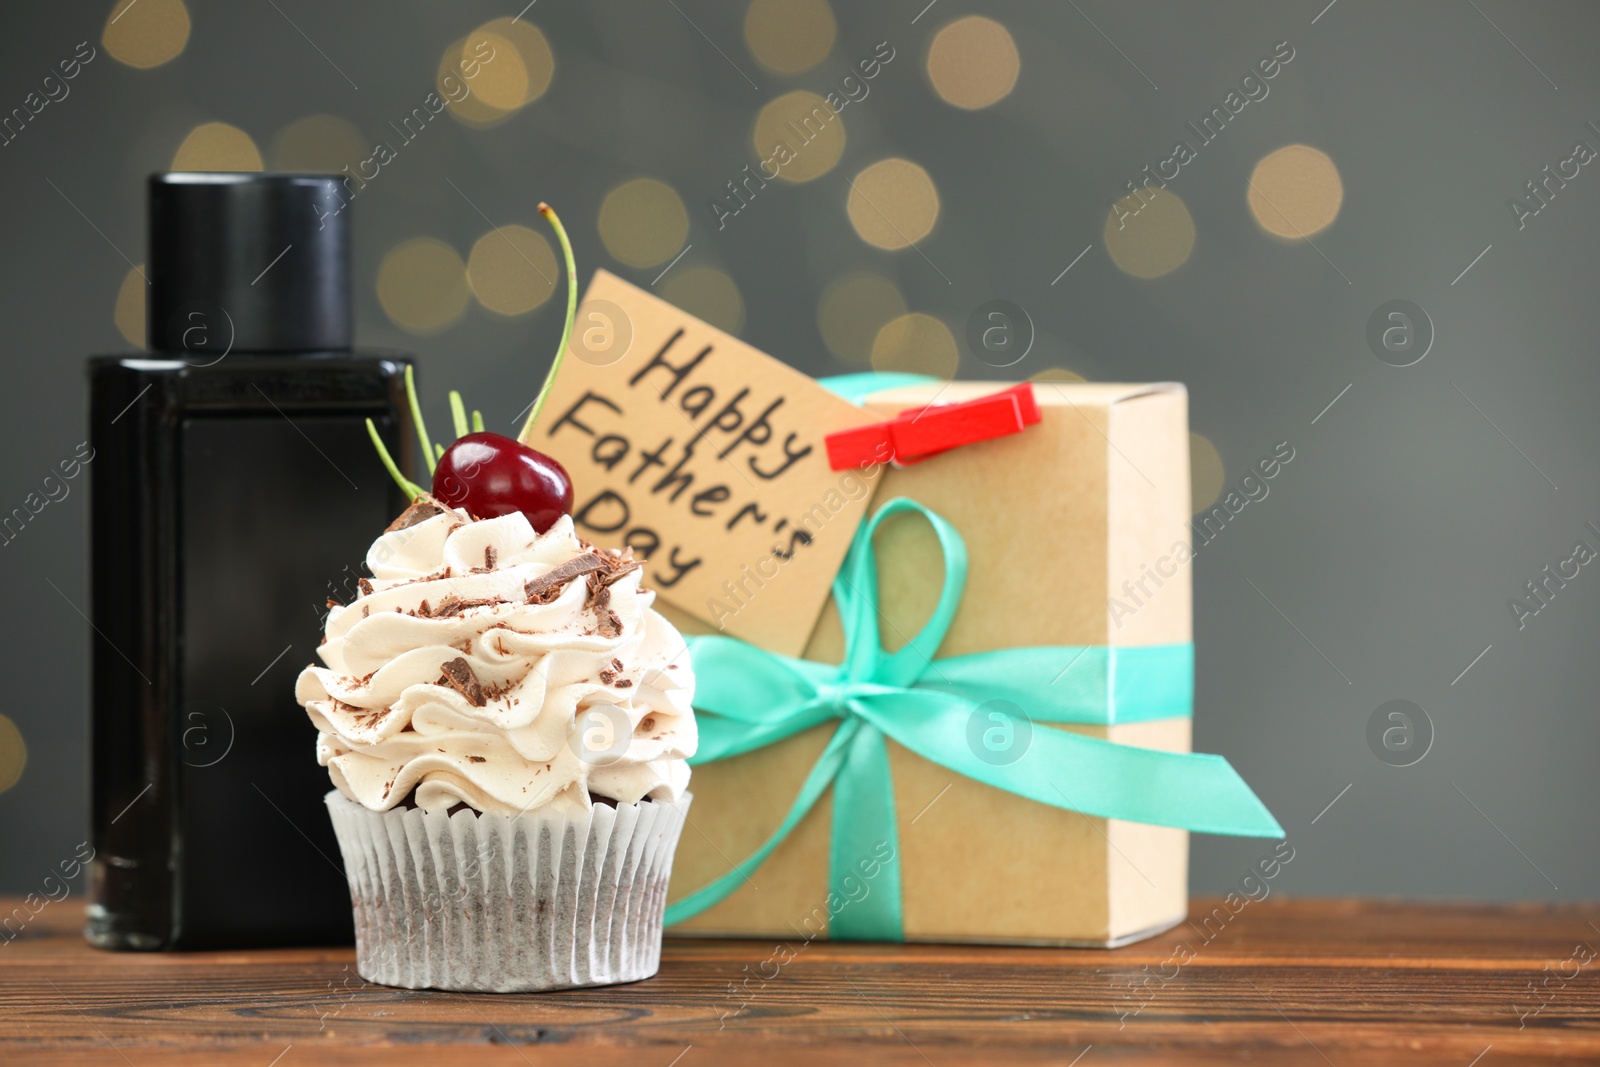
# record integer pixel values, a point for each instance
(235, 491)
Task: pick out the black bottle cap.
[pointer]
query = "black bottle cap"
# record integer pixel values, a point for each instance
(247, 263)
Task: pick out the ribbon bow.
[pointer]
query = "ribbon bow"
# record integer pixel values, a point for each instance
(950, 711)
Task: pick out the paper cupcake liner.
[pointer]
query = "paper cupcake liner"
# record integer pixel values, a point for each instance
(508, 903)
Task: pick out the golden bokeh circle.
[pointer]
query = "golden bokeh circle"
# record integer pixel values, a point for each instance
(916, 344)
(1151, 235)
(853, 309)
(217, 146)
(494, 71)
(1295, 192)
(536, 64)
(512, 270)
(708, 294)
(318, 144)
(129, 312)
(789, 36)
(643, 222)
(1206, 473)
(1057, 374)
(146, 33)
(501, 79)
(422, 285)
(973, 62)
(13, 753)
(502, 86)
(893, 204)
(799, 136)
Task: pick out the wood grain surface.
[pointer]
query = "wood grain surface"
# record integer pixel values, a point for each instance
(1283, 981)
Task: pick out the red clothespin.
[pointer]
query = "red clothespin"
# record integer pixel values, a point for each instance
(918, 433)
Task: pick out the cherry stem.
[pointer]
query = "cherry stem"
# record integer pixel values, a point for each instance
(416, 417)
(566, 330)
(477, 421)
(458, 413)
(411, 489)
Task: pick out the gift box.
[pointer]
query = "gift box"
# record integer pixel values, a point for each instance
(1074, 618)
(940, 634)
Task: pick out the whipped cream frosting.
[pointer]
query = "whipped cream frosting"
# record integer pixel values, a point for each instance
(486, 664)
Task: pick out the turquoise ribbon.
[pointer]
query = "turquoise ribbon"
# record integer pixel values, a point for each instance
(947, 711)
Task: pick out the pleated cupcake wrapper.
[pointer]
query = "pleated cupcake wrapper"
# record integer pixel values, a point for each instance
(508, 903)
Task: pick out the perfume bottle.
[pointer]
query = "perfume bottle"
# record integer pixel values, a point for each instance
(235, 491)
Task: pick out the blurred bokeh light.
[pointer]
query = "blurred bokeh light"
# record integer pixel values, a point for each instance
(422, 285)
(706, 293)
(1295, 192)
(810, 130)
(319, 144)
(217, 146)
(916, 343)
(495, 71)
(512, 270)
(853, 309)
(1206, 473)
(973, 62)
(893, 204)
(789, 36)
(13, 753)
(1056, 374)
(1149, 234)
(146, 33)
(643, 222)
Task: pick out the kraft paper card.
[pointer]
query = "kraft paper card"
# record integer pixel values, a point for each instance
(707, 458)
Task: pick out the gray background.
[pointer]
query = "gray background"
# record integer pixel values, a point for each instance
(1392, 541)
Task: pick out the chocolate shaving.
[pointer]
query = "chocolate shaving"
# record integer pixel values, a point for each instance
(332, 603)
(547, 586)
(454, 605)
(477, 759)
(447, 572)
(421, 509)
(423, 611)
(613, 675)
(627, 567)
(365, 586)
(495, 692)
(618, 563)
(363, 717)
(458, 676)
(606, 622)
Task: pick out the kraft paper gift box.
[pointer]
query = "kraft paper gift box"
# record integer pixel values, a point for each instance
(1020, 771)
(1070, 528)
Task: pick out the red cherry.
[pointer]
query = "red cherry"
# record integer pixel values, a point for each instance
(487, 474)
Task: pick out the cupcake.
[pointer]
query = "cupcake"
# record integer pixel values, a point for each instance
(505, 720)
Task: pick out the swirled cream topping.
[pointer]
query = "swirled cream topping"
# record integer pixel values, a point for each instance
(489, 665)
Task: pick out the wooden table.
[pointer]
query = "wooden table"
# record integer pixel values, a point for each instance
(1285, 981)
